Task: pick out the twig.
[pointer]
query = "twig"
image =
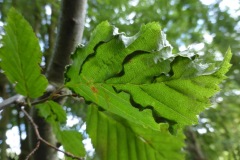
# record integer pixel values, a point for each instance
(51, 97)
(7, 102)
(34, 150)
(41, 101)
(40, 139)
(19, 99)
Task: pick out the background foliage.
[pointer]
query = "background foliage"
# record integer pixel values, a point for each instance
(185, 22)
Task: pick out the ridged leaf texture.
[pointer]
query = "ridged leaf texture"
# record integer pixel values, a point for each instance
(114, 139)
(21, 55)
(70, 140)
(139, 79)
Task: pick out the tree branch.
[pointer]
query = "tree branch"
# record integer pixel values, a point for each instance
(40, 139)
(19, 99)
(33, 151)
(14, 99)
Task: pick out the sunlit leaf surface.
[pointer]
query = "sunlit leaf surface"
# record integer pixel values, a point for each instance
(139, 79)
(21, 56)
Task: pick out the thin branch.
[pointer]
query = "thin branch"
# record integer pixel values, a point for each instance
(20, 100)
(40, 101)
(55, 96)
(40, 139)
(33, 151)
(7, 102)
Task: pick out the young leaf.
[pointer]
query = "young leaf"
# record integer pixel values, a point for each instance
(123, 74)
(21, 55)
(55, 115)
(52, 110)
(116, 139)
(72, 142)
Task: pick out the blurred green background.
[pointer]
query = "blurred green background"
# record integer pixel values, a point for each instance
(207, 27)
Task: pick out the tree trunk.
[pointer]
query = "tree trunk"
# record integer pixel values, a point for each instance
(193, 145)
(5, 116)
(3, 127)
(71, 26)
(70, 34)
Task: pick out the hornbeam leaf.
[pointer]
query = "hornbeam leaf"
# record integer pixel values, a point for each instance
(52, 110)
(115, 139)
(21, 55)
(55, 115)
(71, 141)
(126, 74)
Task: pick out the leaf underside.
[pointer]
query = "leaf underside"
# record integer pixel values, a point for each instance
(139, 79)
(21, 55)
(116, 140)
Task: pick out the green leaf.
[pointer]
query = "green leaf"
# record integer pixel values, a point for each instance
(126, 74)
(143, 89)
(52, 110)
(55, 115)
(21, 55)
(115, 139)
(106, 96)
(72, 142)
(99, 36)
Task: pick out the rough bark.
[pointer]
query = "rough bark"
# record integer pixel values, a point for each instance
(71, 26)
